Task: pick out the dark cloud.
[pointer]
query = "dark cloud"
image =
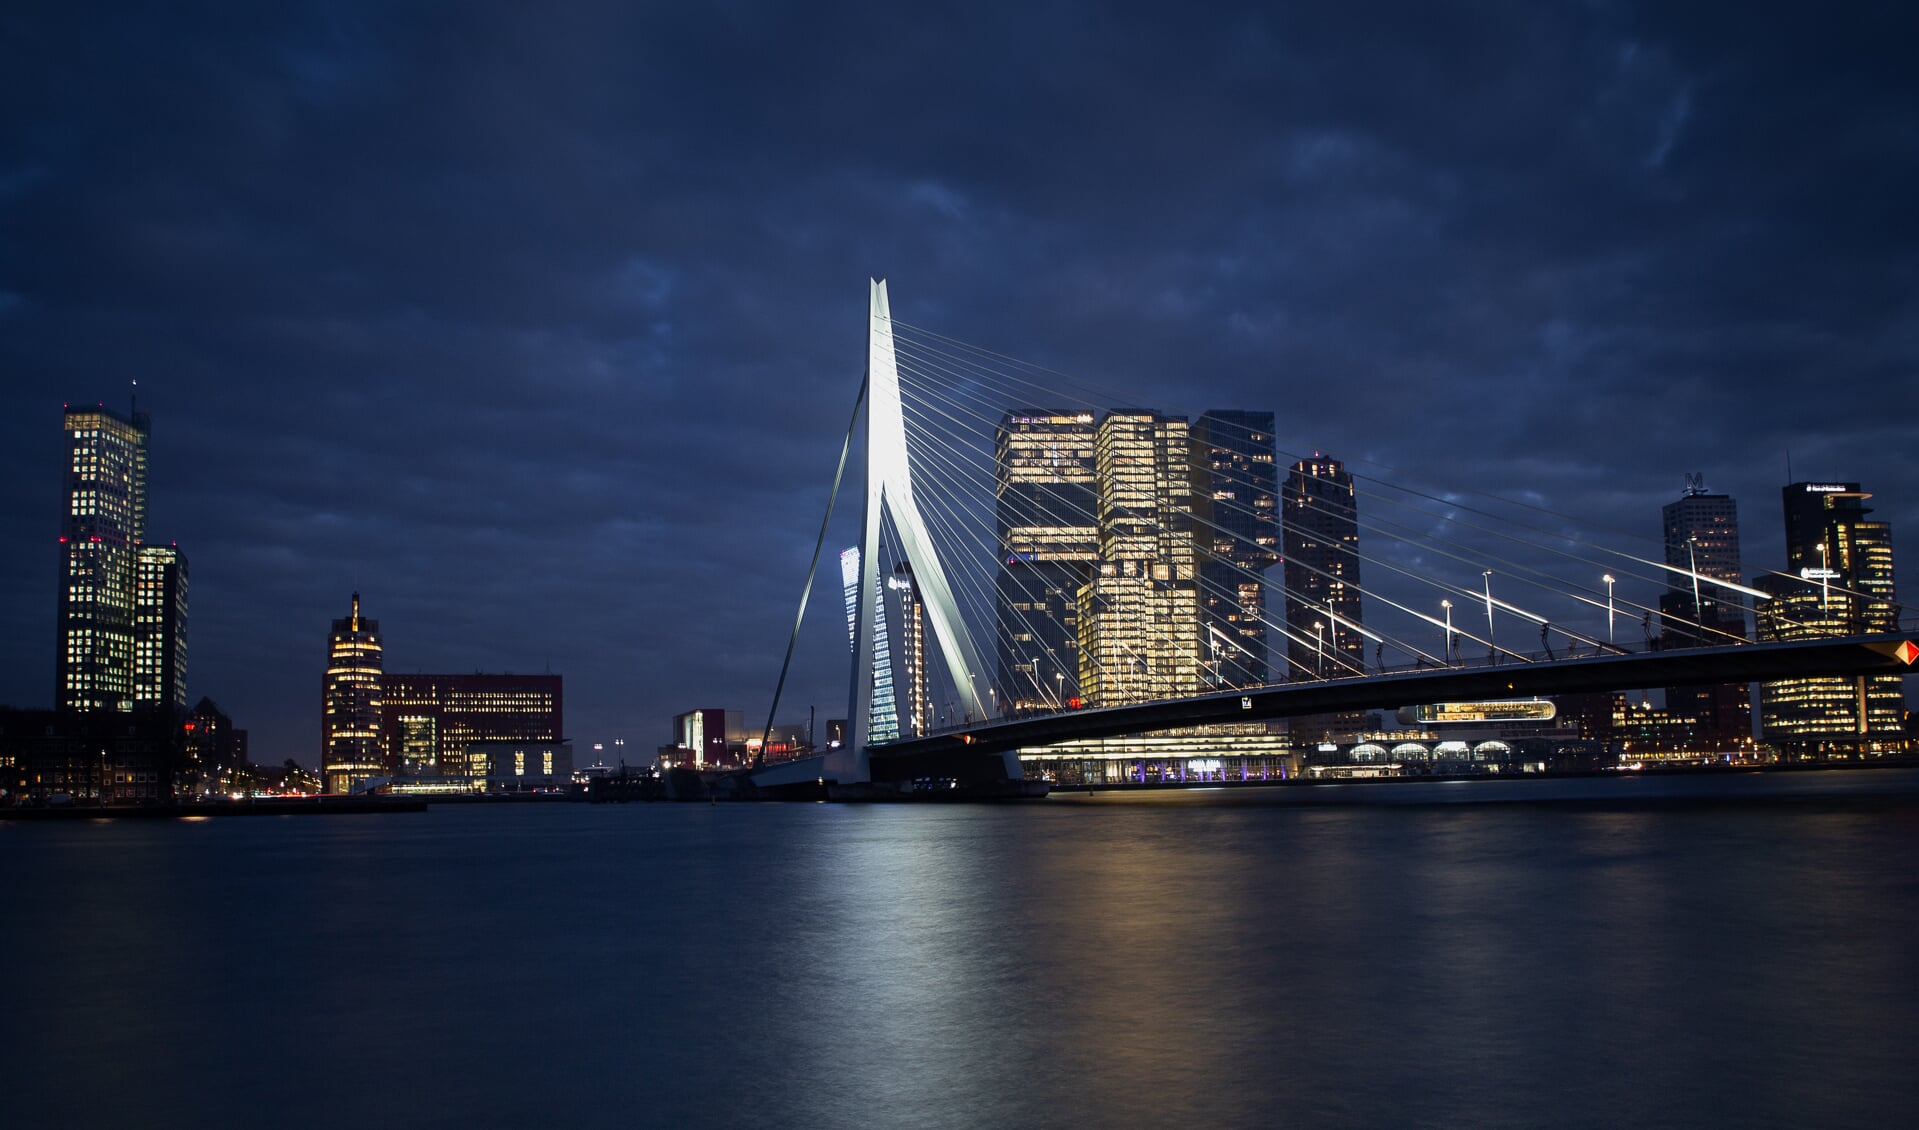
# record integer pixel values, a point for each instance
(541, 328)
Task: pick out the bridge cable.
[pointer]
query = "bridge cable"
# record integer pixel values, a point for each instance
(766, 738)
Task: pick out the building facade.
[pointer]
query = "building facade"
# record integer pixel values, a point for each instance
(1838, 581)
(709, 737)
(515, 767)
(101, 531)
(911, 608)
(99, 756)
(1319, 519)
(1045, 497)
(1237, 512)
(160, 628)
(213, 752)
(351, 751)
(1138, 611)
(882, 713)
(427, 722)
(1701, 531)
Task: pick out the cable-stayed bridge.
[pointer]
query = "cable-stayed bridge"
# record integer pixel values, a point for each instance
(1039, 563)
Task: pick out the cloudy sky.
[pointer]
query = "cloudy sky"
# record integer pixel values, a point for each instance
(539, 325)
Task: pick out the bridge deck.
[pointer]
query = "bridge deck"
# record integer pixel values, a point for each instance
(1741, 663)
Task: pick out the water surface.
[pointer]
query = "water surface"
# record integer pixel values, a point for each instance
(1722, 951)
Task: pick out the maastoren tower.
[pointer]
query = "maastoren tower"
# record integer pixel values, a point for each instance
(121, 618)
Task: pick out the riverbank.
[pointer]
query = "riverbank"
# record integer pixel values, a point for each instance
(255, 806)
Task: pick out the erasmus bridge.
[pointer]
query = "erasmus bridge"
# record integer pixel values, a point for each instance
(1467, 595)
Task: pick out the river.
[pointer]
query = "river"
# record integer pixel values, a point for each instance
(1673, 952)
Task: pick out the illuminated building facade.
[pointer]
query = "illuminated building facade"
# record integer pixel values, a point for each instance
(1839, 581)
(351, 750)
(1138, 611)
(101, 532)
(912, 621)
(1319, 518)
(512, 766)
(1238, 511)
(1045, 496)
(1702, 536)
(709, 737)
(160, 628)
(427, 722)
(883, 723)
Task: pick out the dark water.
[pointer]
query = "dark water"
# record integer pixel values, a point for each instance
(1739, 953)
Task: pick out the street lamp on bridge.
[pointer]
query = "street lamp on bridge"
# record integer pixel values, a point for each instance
(1608, 578)
(1825, 579)
(1492, 647)
(1319, 649)
(1698, 611)
(1446, 645)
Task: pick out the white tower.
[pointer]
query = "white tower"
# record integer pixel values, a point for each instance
(889, 484)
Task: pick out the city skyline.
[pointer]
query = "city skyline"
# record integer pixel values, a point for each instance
(578, 429)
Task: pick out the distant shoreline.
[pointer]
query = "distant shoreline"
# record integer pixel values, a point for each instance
(259, 806)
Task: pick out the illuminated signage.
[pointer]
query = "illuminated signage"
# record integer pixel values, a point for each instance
(1811, 574)
(1825, 488)
(1526, 710)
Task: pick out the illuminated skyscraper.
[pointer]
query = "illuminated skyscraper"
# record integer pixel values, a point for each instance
(1139, 622)
(160, 628)
(1838, 582)
(912, 622)
(1239, 529)
(1045, 493)
(1702, 536)
(100, 535)
(351, 752)
(1319, 518)
(883, 724)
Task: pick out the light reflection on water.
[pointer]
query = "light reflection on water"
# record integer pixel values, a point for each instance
(1213, 960)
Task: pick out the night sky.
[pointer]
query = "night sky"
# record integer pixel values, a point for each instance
(540, 326)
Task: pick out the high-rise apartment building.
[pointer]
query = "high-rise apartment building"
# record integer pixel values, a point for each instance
(1237, 511)
(1319, 518)
(1702, 537)
(160, 628)
(426, 722)
(1046, 492)
(1838, 581)
(1138, 612)
(912, 620)
(351, 749)
(100, 536)
(882, 712)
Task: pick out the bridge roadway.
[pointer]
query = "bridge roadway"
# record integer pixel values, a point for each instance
(1884, 654)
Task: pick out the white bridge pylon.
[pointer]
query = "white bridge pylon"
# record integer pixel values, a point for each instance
(889, 485)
